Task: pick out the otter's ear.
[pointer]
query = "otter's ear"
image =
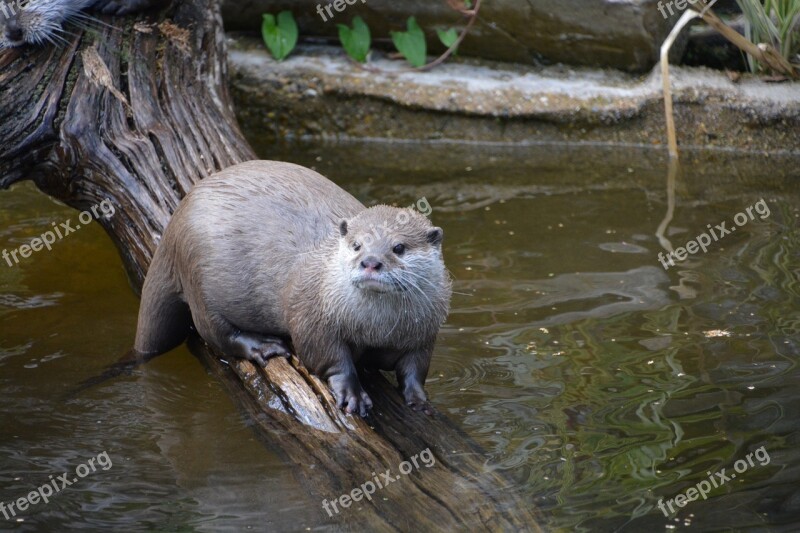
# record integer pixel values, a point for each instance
(435, 236)
(343, 228)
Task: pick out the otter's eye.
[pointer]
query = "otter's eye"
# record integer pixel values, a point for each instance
(356, 246)
(399, 249)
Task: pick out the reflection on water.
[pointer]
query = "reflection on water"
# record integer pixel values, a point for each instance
(600, 381)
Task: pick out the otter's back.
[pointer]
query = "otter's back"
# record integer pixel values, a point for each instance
(270, 194)
(242, 232)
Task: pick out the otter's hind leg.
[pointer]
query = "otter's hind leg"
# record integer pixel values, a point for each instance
(228, 338)
(164, 318)
(255, 347)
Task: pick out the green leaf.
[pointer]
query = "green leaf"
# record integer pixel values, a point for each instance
(448, 38)
(411, 44)
(356, 41)
(279, 35)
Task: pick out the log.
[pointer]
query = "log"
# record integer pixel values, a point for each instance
(137, 115)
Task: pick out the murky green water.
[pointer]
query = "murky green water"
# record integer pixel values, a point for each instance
(600, 381)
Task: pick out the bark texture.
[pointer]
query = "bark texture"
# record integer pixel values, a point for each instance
(139, 113)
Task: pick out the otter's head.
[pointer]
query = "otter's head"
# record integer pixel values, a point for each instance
(391, 250)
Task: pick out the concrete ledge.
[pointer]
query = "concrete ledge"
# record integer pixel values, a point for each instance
(318, 92)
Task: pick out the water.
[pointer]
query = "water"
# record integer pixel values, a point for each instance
(599, 380)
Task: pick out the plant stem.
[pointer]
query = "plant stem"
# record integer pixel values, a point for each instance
(439, 60)
(672, 138)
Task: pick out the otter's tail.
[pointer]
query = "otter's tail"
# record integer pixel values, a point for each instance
(164, 323)
(164, 317)
(124, 367)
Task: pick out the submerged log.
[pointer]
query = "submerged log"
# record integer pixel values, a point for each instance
(136, 115)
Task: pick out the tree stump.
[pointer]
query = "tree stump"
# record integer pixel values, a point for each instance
(139, 113)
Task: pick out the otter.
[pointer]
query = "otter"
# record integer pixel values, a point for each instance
(36, 22)
(264, 253)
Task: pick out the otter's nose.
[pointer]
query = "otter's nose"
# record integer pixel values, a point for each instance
(371, 263)
(13, 31)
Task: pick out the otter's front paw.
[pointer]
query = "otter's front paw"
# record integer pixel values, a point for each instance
(349, 395)
(416, 400)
